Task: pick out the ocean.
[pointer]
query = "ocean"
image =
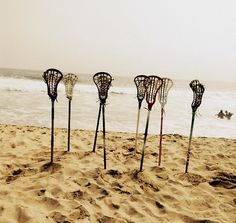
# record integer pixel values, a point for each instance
(24, 101)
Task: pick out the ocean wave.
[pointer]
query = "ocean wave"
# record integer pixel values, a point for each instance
(27, 85)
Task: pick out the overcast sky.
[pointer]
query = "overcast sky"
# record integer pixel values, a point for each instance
(181, 39)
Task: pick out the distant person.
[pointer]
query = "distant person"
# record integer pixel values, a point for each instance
(228, 115)
(221, 114)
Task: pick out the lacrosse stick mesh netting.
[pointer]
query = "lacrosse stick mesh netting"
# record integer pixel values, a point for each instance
(163, 92)
(140, 85)
(103, 82)
(198, 90)
(153, 84)
(69, 81)
(52, 78)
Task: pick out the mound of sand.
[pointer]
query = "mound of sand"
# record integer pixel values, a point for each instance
(76, 188)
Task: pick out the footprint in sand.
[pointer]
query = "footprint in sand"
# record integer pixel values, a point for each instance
(192, 178)
(51, 203)
(22, 215)
(58, 217)
(79, 213)
(225, 180)
(50, 167)
(75, 195)
(107, 219)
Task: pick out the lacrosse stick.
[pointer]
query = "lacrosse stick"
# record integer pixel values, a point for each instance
(198, 90)
(152, 85)
(69, 82)
(52, 78)
(103, 82)
(162, 97)
(139, 82)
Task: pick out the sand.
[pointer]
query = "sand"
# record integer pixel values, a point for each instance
(76, 188)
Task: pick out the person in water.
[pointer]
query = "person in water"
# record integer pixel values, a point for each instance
(226, 114)
(221, 114)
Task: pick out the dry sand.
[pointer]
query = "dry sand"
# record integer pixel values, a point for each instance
(77, 188)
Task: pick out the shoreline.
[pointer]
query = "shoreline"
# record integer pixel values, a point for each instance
(113, 132)
(77, 188)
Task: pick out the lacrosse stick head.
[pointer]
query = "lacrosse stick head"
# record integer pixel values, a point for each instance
(198, 90)
(152, 84)
(140, 85)
(52, 78)
(69, 81)
(164, 90)
(103, 82)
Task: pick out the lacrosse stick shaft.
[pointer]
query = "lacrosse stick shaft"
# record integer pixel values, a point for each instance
(52, 131)
(189, 144)
(69, 116)
(160, 145)
(104, 132)
(96, 132)
(145, 138)
(136, 138)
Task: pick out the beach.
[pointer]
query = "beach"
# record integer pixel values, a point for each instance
(76, 188)
(151, 83)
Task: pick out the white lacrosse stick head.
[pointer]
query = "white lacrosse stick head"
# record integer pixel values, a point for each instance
(164, 90)
(69, 81)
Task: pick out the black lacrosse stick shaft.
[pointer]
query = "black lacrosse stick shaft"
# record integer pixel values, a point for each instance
(189, 143)
(104, 136)
(161, 130)
(137, 127)
(69, 117)
(96, 132)
(52, 131)
(145, 138)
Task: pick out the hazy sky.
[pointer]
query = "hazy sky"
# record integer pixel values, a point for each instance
(175, 38)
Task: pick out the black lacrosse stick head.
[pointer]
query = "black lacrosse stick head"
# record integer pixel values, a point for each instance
(141, 89)
(153, 84)
(164, 90)
(69, 81)
(198, 90)
(52, 78)
(103, 82)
